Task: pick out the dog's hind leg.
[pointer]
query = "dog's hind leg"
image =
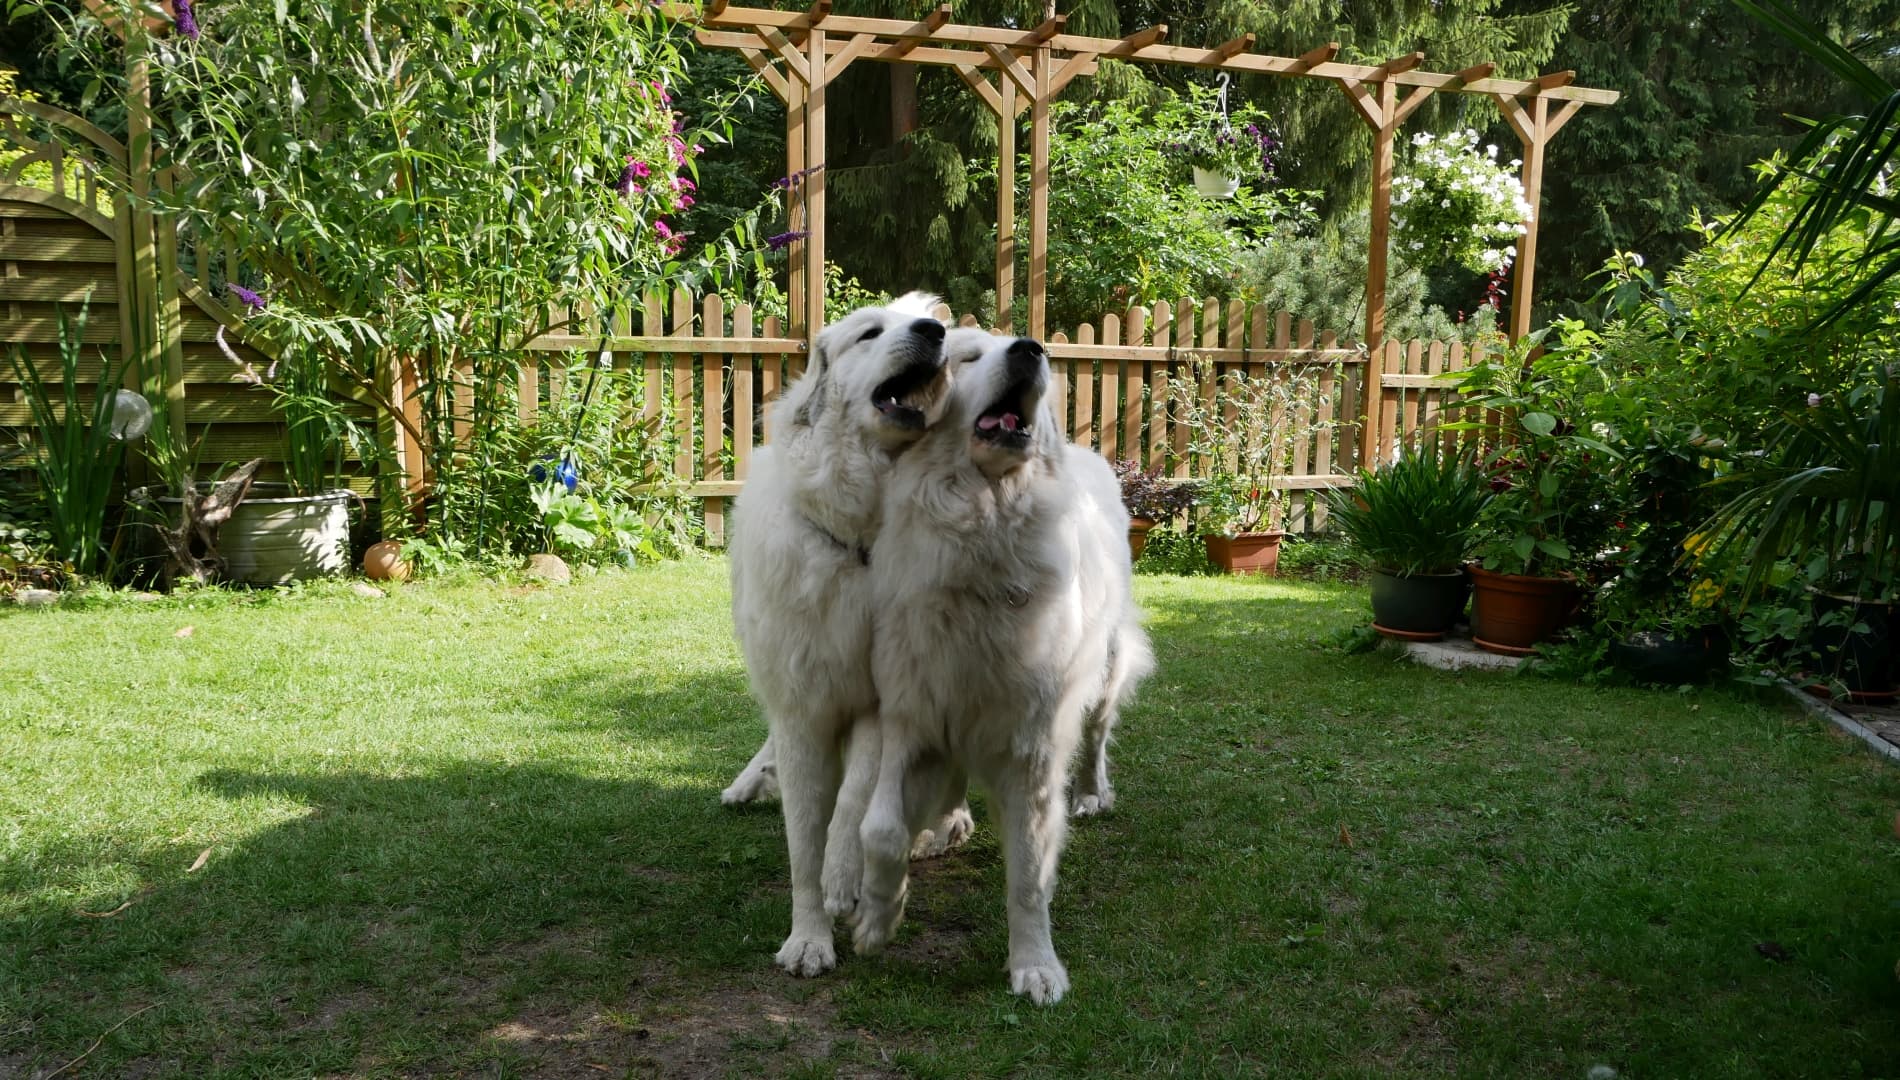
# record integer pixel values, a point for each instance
(807, 749)
(951, 829)
(758, 780)
(1030, 815)
(844, 848)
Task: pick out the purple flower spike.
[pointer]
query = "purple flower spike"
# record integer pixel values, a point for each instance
(784, 240)
(248, 298)
(187, 22)
(626, 185)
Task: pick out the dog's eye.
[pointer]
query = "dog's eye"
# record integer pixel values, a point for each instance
(869, 334)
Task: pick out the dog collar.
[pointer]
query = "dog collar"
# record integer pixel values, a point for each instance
(863, 553)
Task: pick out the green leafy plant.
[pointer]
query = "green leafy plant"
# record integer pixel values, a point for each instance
(319, 432)
(1824, 495)
(1455, 203)
(1123, 229)
(1243, 428)
(75, 452)
(1546, 466)
(1413, 516)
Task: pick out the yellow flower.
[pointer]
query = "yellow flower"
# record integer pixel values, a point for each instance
(1698, 544)
(1704, 593)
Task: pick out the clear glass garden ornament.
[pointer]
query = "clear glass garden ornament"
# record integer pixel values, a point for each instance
(131, 415)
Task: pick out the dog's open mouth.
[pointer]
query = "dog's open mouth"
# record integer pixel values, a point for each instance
(902, 397)
(1007, 422)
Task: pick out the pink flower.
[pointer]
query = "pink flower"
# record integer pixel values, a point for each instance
(677, 148)
(680, 183)
(638, 168)
(686, 201)
(664, 230)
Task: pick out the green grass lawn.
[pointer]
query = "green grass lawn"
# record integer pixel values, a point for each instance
(473, 829)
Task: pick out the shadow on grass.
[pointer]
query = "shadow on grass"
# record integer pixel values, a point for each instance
(464, 916)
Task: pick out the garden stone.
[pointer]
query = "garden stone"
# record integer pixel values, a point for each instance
(549, 568)
(35, 597)
(367, 591)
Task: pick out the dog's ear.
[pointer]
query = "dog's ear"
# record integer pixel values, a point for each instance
(814, 400)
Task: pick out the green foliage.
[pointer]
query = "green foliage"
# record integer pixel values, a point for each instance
(318, 430)
(1124, 227)
(1412, 516)
(1548, 477)
(1321, 275)
(1243, 437)
(75, 452)
(1706, 94)
(1825, 495)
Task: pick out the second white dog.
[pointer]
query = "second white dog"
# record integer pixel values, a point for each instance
(1005, 631)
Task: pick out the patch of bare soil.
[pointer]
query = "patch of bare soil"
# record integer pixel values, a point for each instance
(754, 1029)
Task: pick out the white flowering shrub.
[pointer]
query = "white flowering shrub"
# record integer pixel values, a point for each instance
(1457, 204)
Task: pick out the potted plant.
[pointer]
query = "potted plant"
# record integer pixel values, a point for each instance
(299, 529)
(1458, 203)
(1413, 520)
(1151, 498)
(1548, 512)
(1243, 429)
(1823, 496)
(1224, 148)
(1662, 610)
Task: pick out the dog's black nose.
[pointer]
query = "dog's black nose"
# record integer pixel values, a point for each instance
(927, 328)
(1024, 356)
(1026, 348)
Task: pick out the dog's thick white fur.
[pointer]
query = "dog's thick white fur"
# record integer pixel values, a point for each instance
(801, 538)
(1006, 632)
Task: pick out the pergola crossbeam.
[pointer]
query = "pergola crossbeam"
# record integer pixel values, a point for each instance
(1312, 58)
(1141, 39)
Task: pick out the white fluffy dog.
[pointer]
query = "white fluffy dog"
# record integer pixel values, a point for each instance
(800, 551)
(1006, 633)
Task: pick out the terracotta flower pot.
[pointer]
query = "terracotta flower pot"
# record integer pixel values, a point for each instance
(1511, 613)
(1245, 553)
(1138, 535)
(384, 562)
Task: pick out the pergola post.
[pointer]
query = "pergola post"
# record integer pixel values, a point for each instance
(1039, 198)
(1534, 127)
(1384, 112)
(795, 200)
(1006, 205)
(815, 181)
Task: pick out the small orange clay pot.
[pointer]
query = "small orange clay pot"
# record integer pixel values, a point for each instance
(1138, 535)
(1245, 553)
(384, 562)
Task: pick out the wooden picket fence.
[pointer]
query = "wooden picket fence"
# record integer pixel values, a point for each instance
(707, 373)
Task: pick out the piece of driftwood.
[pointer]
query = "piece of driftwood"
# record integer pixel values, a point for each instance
(191, 541)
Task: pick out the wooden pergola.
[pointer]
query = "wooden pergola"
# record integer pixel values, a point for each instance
(799, 53)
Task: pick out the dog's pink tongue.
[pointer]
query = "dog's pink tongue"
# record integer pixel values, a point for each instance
(987, 423)
(1011, 421)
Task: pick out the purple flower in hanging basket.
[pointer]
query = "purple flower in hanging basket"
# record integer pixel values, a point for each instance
(245, 296)
(784, 240)
(187, 22)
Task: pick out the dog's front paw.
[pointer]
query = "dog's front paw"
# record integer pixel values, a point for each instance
(807, 956)
(1043, 983)
(875, 922)
(951, 831)
(1093, 803)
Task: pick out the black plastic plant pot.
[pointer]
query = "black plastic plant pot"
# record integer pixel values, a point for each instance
(1855, 640)
(1652, 656)
(1421, 607)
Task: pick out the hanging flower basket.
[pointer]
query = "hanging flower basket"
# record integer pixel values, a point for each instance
(1215, 185)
